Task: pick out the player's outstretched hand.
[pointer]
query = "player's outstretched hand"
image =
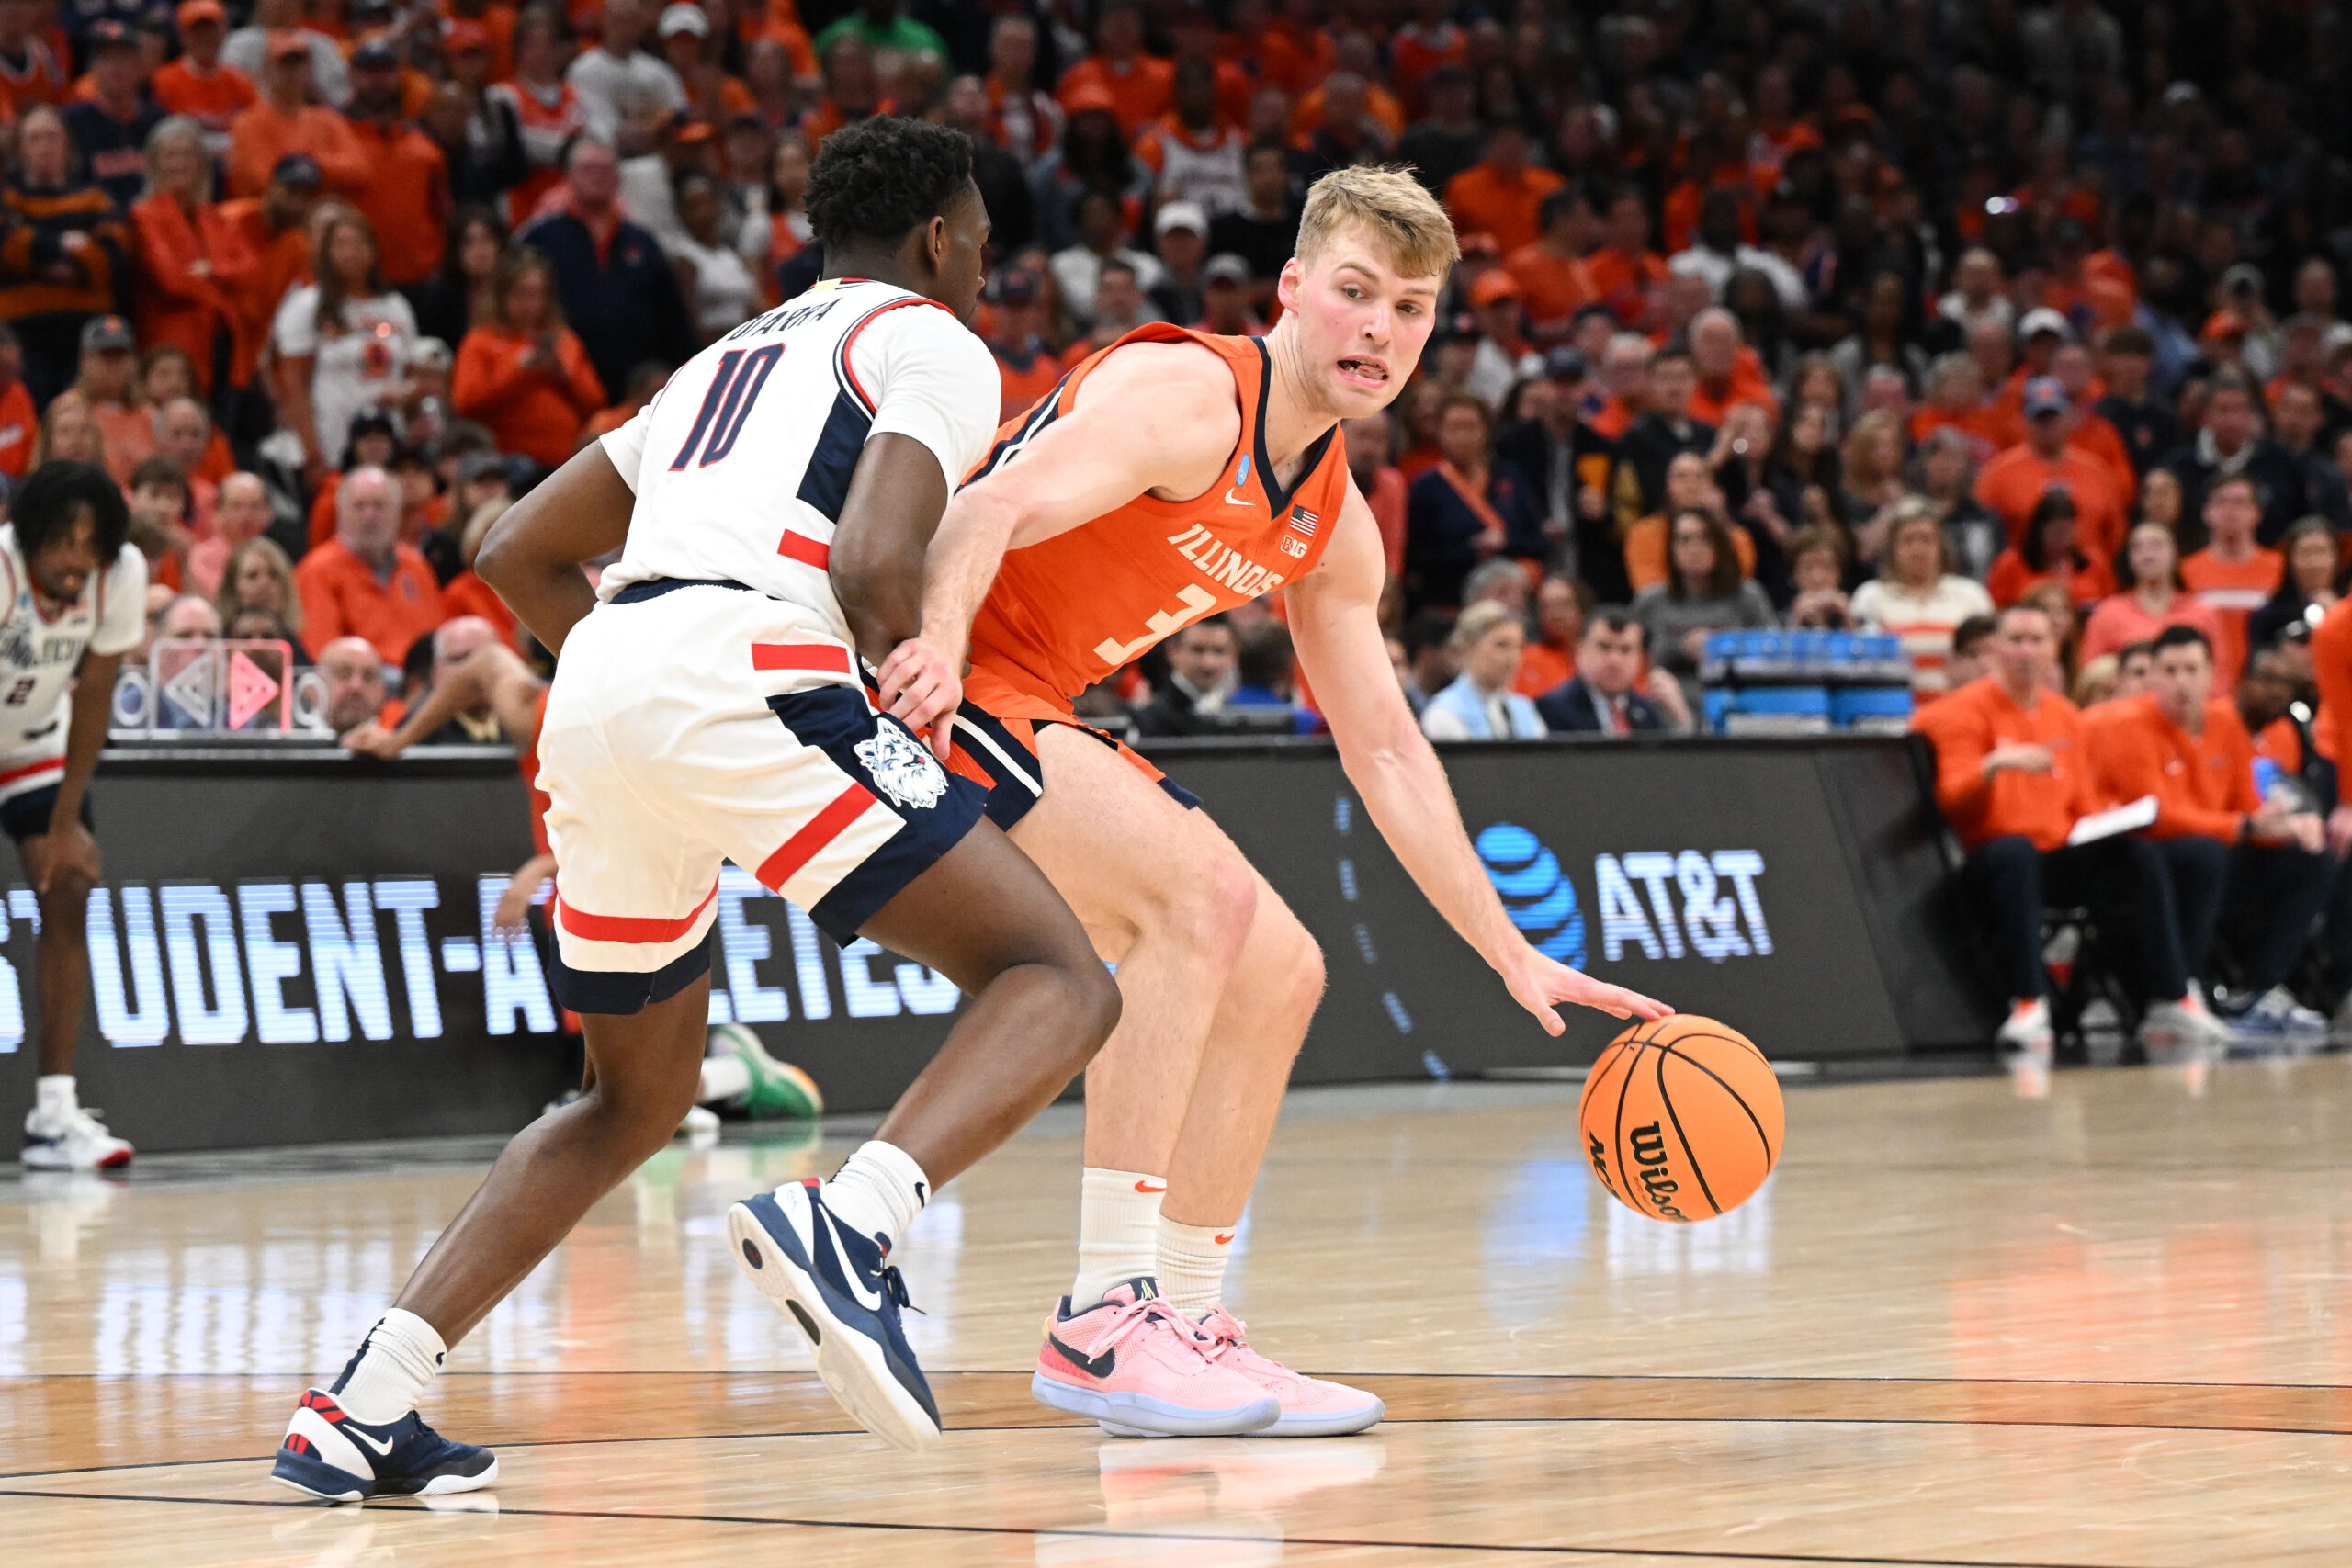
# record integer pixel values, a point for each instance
(923, 685)
(69, 849)
(1539, 984)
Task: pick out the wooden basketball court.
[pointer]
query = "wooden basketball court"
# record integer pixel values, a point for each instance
(2109, 1328)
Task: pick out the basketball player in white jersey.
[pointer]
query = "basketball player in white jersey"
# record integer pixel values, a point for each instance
(707, 707)
(76, 602)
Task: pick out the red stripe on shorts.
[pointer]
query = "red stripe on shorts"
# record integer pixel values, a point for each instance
(822, 829)
(51, 764)
(825, 656)
(627, 928)
(805, 551)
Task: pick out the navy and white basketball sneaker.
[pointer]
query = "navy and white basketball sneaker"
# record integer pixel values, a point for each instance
(833, 1281)
(327, 1454)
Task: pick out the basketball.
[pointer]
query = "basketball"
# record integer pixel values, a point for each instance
(1681, 1119)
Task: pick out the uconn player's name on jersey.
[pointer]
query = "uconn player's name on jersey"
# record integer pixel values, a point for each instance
(784, 317)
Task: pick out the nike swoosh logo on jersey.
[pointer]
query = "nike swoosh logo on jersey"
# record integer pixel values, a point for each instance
(382, 1450)
(1233, 499)
(871, 1299)
(1092, 1366)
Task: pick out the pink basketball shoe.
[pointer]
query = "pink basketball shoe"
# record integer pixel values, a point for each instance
(1312, 1407)
(1135, 1360)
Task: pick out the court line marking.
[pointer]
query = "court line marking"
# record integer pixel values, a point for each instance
(1033, 1531)
(519, 1445)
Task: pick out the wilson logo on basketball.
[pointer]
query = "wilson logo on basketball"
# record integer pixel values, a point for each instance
(1649, 1153)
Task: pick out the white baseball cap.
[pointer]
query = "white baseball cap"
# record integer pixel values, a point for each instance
(683, 17)
(1181, 215)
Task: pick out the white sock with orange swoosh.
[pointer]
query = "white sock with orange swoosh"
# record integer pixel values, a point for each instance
(1191, 1264)
(1118, 1230)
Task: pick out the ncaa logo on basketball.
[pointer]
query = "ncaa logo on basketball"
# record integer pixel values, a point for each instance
(902, 769)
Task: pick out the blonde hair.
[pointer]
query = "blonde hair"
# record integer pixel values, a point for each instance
(1391, 206)
(1471, 628)
(226, 600)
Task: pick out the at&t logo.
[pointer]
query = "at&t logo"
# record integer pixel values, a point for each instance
(1539, 897)
(1699, 904)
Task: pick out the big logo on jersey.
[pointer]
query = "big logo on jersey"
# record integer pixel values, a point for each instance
(902, 769)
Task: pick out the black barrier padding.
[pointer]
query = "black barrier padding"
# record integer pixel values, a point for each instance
(1670, 866)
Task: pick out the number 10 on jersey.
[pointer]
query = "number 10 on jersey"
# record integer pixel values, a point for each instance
(727, 405)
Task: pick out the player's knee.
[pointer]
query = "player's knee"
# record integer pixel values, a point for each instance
(1212, 906)
(65, 908)
(1296, 959)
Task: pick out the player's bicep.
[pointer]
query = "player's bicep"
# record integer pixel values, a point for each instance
(124, 620)
(1124, 440)
(938, 385)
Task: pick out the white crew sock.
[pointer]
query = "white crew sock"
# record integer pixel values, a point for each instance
(53, 1095)
(1191, 1264)
(879, 1189)
(723, 1077)
(401, 1356)
(1118, 1223)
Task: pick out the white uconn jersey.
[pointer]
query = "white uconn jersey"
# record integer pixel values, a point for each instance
(741, 465)
(39, 655)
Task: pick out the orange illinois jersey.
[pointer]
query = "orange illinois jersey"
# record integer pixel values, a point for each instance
(1067, 612)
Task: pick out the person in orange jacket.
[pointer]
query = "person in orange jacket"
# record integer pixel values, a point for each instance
(2254, 869)
(2012, 779)
(194, 262)
(527, 376)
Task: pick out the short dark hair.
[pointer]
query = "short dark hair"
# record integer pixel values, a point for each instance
(1675, 350)
(2129, 338)
(875, 180)
(2230, 379)
(1113, 263)
(1265, 656)
(2222, 482)
(1969, 634)
(1616, 618)
(2143, 648)
(52, 499)
(1560, 203)
(159, 471)
(2181, 637)
(1427, 629)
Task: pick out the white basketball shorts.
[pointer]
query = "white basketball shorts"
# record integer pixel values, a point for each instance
(692, 723)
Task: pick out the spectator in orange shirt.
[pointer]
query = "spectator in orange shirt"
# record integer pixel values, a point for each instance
(2014, 481)
(194, 262)
(2255, 870)
(2232, 576)
(527, 376)
(1549, 659)
(1729, 372)
(107, 385)
(1629, 275)
(286, 121)
(364, 582)
(1553, 281)
(2012, 778)
(1503, 193)
(2047, 552)
(1139, 85)
(18, 424)
(407, 194)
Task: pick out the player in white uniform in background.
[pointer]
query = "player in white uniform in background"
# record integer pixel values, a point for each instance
(76, 604)
(711, 708)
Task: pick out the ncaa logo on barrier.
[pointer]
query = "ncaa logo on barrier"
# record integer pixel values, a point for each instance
(1541, 900)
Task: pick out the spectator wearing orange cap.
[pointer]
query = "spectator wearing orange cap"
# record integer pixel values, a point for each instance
(285, 122)
(407, 199)
(197, 85)
(1502, 193)
(194, 260)
(2012, 484)
(248, 49)
(526, 376)
(497, 21)
(1503, 355)
(1140, 86)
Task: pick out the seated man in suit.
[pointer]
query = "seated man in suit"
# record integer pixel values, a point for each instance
(1600, 696)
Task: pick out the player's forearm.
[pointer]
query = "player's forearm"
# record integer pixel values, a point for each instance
(86, 731)
(533, 554)
(1411, 800)
(963, 561)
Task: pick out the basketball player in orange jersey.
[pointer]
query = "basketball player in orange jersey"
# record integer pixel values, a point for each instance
(1171, 476)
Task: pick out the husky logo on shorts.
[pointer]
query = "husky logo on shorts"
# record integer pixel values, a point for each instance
(902, 769)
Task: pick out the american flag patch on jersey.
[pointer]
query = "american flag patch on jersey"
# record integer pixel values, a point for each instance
(1304, 521)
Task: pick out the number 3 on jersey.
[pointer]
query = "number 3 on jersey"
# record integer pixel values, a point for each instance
(729, 402)
(1193, 602)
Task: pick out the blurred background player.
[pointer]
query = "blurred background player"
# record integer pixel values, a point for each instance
(76, 604)
(1173, 476)
(707, 707)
